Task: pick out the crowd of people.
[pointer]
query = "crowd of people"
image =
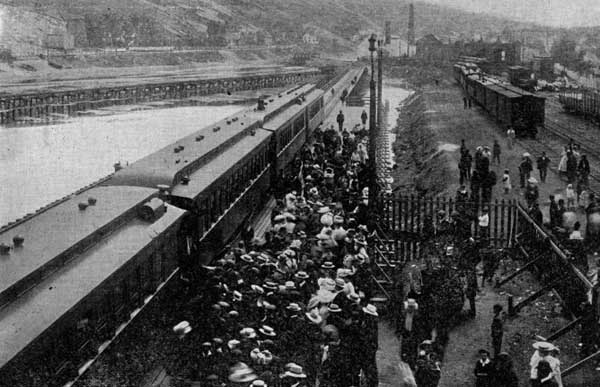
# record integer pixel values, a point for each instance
(291, 308)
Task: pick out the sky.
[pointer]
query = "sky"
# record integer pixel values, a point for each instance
(557, 13)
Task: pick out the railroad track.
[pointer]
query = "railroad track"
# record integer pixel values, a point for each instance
(558, 133)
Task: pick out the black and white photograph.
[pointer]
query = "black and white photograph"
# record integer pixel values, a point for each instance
(299, 193)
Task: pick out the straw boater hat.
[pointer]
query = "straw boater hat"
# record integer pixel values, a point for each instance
(343, 273)
(241, 373)
(290, 285)
(411, 303)
(223, 304)
(334, 308)
(449, 250)
(328, 265)
(247, 258)
(294, 307)
(267, 331)
(339, 283)
(293, 371)
(248, 333)
(270, 285)
(370, 309)
(258, 383)
(324, 210)
(301, 275)
(233, 313)
(532, 180)
(544, 346)
(328, 284)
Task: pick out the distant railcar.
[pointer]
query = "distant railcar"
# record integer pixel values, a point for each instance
(507, 104)
(581, 101)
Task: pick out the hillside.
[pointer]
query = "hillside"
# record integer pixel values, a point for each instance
(118, 23)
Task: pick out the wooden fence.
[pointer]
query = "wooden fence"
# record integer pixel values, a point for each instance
(404, 218)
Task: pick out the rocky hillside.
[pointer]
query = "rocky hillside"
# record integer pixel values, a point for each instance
(332, 23)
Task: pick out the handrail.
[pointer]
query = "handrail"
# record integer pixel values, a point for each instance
(555, 248)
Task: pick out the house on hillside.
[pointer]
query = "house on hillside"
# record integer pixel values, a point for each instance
(309, 38)
(431, 49)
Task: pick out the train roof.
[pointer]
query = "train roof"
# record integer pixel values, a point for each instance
(293, 110)
(501, 90)
(170, 164)
(35, 311)
(55, 235)
(202, 178)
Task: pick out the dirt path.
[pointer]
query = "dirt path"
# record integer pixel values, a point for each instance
(391, 373)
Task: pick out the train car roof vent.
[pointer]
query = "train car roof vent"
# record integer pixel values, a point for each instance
(152, 210)
(92, 201)
(4, 249)
(163, 189)
(185, 180)
(216, 128)
(228, 122)
(176, 150)
(181, 147)
(82, 206)
(18, 240)
(253, 132)
(199, 138)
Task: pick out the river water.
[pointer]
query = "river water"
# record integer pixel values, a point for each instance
(39, 164)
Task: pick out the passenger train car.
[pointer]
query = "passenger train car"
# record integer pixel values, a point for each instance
(507, 104)
(77, 273)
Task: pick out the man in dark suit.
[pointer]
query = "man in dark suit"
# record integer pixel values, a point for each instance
(483, 369)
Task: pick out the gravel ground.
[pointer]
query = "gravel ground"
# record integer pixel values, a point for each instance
(439, 120)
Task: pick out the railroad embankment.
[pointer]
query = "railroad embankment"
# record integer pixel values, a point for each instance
(424, 165)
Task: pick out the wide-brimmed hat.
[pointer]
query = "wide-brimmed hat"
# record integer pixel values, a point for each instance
(279, 218)
(233, 343)
(257, 289)
(314, 316)
(293, 371)
(325, 296)
(532, 180)
(233, 313)
(247, 258)
(301, 275)
(270, 285)
(248, 333)
(267, 331)
(241, 373)
(294, 307)
(342, 272)
(353, 297)
(337, 219)
(223, 304)
(370, 309)
(334, 308)
(339, 283)
(544, 346)
(328, 265)
(258, 383)
(183, 328)
(237, 296)
(328, 284)
(324, 210)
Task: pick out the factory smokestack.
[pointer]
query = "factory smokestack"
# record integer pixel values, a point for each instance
(411, 24)
(388, 32)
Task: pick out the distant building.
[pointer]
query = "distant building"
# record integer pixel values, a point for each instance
(543, 66)
(495, 52)
(60, 41)
(431, 49)
(309, 38)
(399, 47)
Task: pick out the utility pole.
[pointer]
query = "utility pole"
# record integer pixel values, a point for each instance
(372, 129)
(380, 85)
